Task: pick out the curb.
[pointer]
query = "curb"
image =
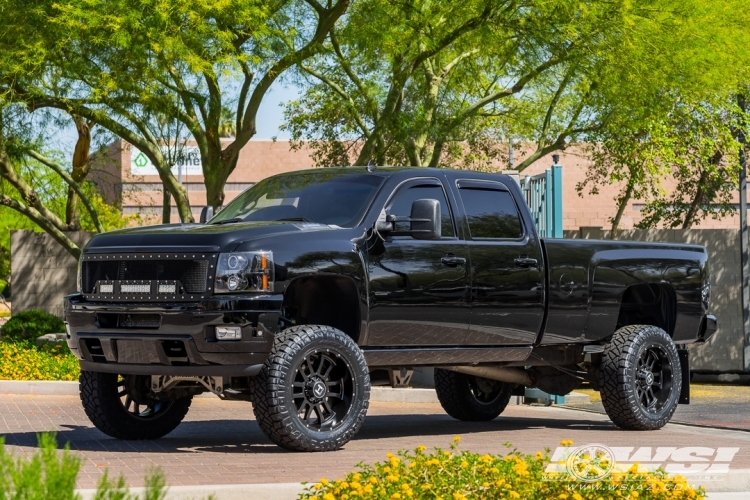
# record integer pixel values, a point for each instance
(377, 394)
(279, 491)
(39, 387)
(291, 491)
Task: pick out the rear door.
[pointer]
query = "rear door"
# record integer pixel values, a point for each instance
(419, 289)
(507, 282)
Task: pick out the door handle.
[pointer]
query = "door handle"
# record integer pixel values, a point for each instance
(525, 262)
(451, 260)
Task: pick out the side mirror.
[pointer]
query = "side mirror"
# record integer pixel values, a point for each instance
(425, 220)
(207, 214)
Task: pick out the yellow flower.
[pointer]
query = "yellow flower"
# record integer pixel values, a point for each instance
(391, 478)
(425, 487)
(485, 484)
(513, 494)
(356, 477)
(464, 464)
(566, 442)
(373, 480)
(412, 465)
(367, 489)
(457, 439)
(539, 455)
(421, 448)
(576, 496)
(324, 481)
(317, 486)
(499, 482)
(447, 453)
(562, 496)
(328, 496)
(405, 487)
(386, 469)
(389, 455)
(395, 496)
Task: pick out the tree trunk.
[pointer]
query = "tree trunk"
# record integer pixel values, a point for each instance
(694, 205)
(166, 210)
(80, 169)
(622, 203)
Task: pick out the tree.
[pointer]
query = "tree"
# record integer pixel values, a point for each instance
(121, 62)
(429, 83)
(686, 139)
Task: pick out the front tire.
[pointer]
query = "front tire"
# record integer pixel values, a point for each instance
(119, 406)
(313, 391)
(640, 378)
(470, 398)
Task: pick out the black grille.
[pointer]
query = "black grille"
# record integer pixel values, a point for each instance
(192, 274)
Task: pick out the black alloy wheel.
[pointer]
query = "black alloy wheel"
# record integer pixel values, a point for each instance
(323, 390)
(129, 388)
(314, 389)
(640, 377)
(653, 379)
(470, 398)
(120, 406)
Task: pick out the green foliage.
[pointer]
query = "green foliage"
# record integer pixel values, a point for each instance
(24, 360)
(430, 83)
(49, 474)
(28, 325)
(460, 475)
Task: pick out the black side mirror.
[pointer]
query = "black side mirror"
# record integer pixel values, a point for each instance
(207, 214)
(425, 220)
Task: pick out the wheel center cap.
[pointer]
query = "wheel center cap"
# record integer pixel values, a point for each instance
(319, 389)
(649, 378)
(315, 390)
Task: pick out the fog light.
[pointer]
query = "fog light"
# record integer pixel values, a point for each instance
(228, 333)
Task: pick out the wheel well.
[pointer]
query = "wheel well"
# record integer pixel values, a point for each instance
(324, 300)
(649, 304)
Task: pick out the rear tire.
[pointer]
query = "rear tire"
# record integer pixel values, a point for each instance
(110, 403)
(470, 398)
(313, 391)
(640, 378)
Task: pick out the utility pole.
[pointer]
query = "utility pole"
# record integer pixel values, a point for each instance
(745, 272)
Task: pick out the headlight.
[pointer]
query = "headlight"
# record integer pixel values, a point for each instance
(706, 294)
(244, 272)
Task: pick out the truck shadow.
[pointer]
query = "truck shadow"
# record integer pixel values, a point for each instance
(244, 436)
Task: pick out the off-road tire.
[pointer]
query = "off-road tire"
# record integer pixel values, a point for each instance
(454, 391)
(273, 389)
(102, 404)
(619, 379)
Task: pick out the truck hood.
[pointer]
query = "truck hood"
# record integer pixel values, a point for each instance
(194, 237)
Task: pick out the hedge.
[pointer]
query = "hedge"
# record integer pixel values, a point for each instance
(28, 325)
(458, 475)
(25, 361)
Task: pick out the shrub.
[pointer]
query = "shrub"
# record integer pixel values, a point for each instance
(29, 325)
(454, 475)
(48, 475)
(23, 360)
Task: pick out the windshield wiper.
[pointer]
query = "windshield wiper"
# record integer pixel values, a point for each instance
(294, 219)
(228, 221)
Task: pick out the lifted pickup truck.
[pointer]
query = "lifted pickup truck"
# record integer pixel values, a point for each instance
(313, 285)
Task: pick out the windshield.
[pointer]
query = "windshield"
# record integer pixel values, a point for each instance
(325, 196)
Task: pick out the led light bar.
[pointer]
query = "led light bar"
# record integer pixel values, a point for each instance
(107, 288)
(135, 288)
(228, 333)
(167, 288)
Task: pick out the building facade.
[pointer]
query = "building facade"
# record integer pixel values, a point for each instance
(129, 181)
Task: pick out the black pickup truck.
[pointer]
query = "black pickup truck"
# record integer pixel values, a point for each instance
(313, 285)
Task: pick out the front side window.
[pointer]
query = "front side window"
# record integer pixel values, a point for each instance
(491, 213)
(401, 206)
(326, 196)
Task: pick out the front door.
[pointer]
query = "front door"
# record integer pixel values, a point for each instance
(419, 289)
(507, 287)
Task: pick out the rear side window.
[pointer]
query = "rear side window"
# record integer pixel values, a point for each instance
(491, 213)
(401, 206)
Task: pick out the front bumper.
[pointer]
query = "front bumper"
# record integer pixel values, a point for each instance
(172, 339)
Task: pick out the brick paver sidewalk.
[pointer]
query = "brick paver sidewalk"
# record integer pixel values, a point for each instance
(219, 443)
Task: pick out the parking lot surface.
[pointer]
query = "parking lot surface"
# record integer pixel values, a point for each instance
(219, 443)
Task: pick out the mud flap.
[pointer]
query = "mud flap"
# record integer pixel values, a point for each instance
(684, 355)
